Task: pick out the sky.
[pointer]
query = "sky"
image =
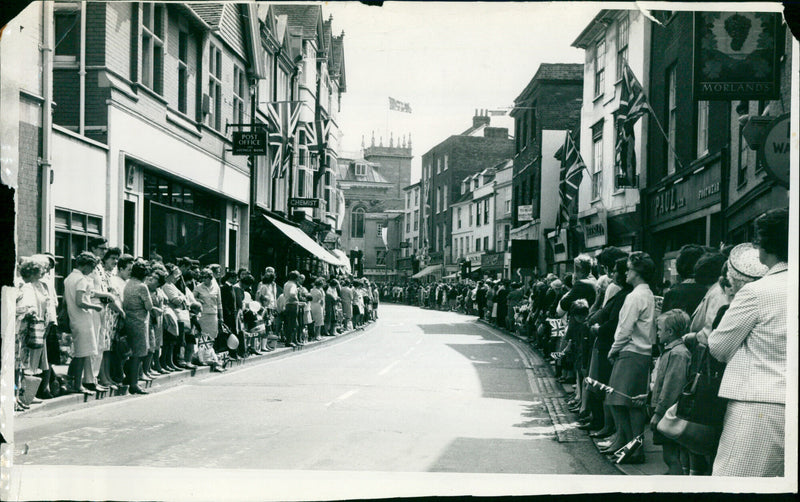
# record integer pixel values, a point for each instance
(445, 59)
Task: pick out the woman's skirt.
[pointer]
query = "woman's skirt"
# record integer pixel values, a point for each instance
(208, 324)
(36, 359)
(629, 376)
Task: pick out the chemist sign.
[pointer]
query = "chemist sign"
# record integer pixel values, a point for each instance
(774, 153)
(250, 143)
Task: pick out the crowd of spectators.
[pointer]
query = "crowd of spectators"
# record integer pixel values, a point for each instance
(123, 321)
(710, 348)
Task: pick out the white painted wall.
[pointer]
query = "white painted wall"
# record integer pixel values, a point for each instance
(79, 177)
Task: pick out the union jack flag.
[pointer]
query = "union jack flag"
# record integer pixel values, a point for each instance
(317, 133)
(283, 117)
(632, 105)
(572, 167)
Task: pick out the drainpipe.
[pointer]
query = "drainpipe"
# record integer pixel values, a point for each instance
(47, 124)
(82, 73)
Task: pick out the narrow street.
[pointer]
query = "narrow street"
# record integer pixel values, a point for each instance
(419, 391)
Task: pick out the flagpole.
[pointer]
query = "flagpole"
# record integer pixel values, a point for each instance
(666, 138)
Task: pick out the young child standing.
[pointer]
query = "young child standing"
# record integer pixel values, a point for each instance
(671, 376)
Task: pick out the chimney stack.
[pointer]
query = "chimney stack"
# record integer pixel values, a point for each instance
(480, 118)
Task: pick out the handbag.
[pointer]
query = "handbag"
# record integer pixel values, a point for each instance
(695, 421)
(28, 388)
(121, 346)
(34, 338)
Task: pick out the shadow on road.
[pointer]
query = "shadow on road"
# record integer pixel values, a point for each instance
(456, 328)
(499, 369)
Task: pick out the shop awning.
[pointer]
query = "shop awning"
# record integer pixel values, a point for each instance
(426, 271)
(344, 261)
(306, 242)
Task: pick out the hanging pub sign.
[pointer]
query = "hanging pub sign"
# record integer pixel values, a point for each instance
(737, 56)
(250, 143)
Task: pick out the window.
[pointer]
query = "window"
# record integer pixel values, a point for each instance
(468, 240)
(239, 90)
(508, 206)
(438, 166)
(357, 223)
(436, 239)
(328, 200)
(408, 200)
(470, 215)
(455, 247)
(463, 249)
(459, 218)
(416, 197)
(361, 169)
(215, 88)
(622, 44)
(478, 213)
(416, 219)
(445, 162)
(301, 182)
(597, 161)
(477, 245)
(438, 199)
(408, 222)
(380, 257)
(73, 231)
(444, 200)
(183, 71)
(153, 17)
(486, 243)
(702, 128)
(486, 211)
(379, 230)
(672, 114)
(67, 19)
(599, 68)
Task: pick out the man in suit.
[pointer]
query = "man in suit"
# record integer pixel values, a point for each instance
(751, 339)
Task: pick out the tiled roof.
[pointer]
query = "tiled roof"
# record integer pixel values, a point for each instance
(347, 171)
(559, 71)
(303, 16)
(210, 12)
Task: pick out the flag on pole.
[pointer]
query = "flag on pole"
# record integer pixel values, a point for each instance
(632, 105)
(384, 235)
(317, 133)
(283, 117)
(399, 106)
(570, 176)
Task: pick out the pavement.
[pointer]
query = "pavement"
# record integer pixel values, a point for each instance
(162, 382)
(654, 465)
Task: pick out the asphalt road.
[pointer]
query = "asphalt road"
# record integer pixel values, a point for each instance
(420, 391)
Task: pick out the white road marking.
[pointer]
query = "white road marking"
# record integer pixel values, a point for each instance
(388, 368)
(342, 397)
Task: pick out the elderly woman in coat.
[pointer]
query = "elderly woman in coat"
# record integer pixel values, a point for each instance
(751, 339)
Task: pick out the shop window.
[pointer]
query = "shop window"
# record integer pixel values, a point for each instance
(73, 230)
(357, 223)
(153, 25)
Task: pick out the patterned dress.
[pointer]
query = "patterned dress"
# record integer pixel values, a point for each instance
(137, 304)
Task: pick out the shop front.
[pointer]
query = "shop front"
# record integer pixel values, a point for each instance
(595, 231)
(493, 265)
(559, 252)
(685, 210)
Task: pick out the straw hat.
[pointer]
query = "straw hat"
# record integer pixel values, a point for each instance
(744, 264)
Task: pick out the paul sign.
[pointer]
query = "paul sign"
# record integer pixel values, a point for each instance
(774, 153)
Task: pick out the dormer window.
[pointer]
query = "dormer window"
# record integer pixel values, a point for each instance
(361, 169)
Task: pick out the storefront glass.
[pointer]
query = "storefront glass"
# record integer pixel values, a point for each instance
(181, 221)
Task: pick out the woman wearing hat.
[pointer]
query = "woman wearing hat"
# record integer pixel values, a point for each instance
(751, 339)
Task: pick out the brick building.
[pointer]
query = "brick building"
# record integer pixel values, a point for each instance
(145, 98)
(444, 167)
(549, 106)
